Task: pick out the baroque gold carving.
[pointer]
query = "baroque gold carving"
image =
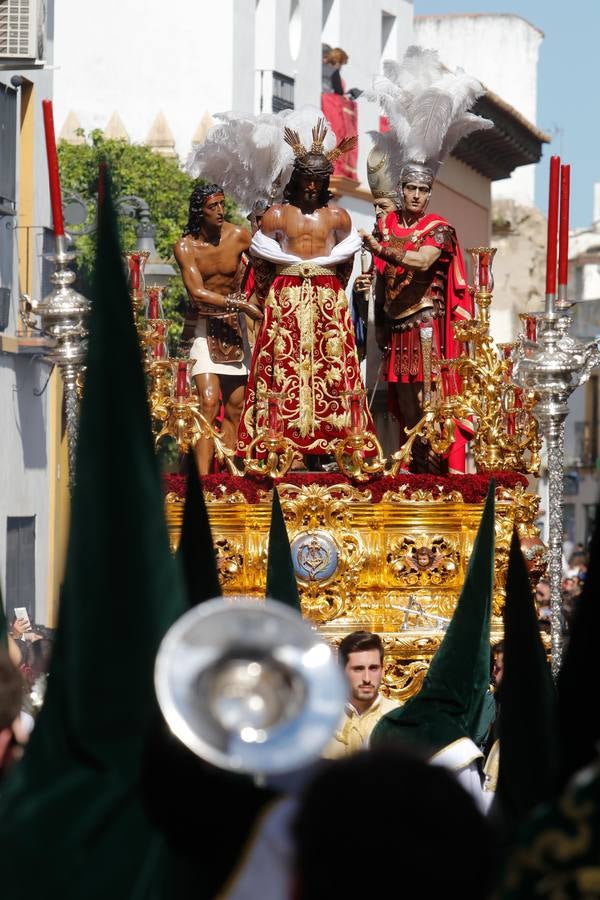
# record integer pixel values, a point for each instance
(319, 506)
(423, 560)
(403, 678)
(365, 589)
(401, 495)
(230, 559)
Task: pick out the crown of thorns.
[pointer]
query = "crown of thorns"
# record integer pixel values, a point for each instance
(315, 161)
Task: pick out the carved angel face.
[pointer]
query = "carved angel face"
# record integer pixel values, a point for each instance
(424, 557)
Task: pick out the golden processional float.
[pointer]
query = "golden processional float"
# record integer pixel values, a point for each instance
(372, 548)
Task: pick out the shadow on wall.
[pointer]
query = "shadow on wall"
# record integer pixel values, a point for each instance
(27, 406)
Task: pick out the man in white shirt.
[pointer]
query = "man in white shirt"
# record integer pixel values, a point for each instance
(361, 657)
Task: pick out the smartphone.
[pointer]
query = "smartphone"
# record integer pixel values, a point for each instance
(21, 613)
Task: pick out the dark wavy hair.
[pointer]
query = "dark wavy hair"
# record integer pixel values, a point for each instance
(356, 643)
(200, 195)
(292, 189)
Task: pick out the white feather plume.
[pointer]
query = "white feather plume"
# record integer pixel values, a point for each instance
(248, 156)
(463, 127)
(426, 106)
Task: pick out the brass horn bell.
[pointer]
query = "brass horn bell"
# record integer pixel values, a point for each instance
(248, 686)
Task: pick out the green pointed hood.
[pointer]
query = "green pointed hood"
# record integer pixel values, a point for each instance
(527, 706)
(75, 796)
(579, 726)
(196, 550)
(281, 578)
(448, 707)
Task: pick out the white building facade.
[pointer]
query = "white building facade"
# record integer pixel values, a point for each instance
(502, 50)
(31, 478)
(582, 427)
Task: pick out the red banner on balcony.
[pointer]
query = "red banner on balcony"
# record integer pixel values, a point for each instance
(342, 115)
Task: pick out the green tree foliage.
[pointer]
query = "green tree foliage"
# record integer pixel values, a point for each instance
(135, 170)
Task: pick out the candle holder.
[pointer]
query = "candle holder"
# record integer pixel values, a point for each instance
(359, 454)
(478, 388)
(436, 428)
(63, 313)
(270, 454)
(154, 304)
(160, 339)
(136, 261)
(153, 337)
(529, 321)
(483, 280)
(160, 384)
(178, 413)
(551, 368)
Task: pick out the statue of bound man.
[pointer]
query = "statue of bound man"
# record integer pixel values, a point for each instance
(305, 351)
(210, 255)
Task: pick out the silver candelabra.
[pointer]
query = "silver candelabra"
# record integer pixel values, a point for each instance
(63, 313)
(553, 365)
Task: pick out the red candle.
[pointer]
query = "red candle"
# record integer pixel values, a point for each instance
(511, 425)
(53, 174)
(563, 241)
(134, 271)
(552, 225)
(182, 381)
(446, 385)
(159, 346)
(273, 414)
(531, 328)
(153, 306)
(483, 271)
(355, 416)
(518, 398)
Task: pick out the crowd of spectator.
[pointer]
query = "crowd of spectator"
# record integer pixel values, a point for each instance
(574, 573)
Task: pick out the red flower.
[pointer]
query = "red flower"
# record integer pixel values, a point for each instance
(472, 487)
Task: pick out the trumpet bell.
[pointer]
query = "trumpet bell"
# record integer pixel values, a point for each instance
(249, 687)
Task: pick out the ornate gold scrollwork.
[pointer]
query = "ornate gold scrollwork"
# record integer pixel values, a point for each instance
(424, 560)
(327, 554)
(403, 678)
(230, 559)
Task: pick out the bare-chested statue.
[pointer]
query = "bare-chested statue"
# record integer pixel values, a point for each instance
(210, 256)
(305, 351)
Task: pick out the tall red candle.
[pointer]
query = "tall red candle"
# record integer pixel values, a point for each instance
(159, 346)
(181, 389)
(484, 270)
(446, 382)
(552, 225)
(355, 416)
(152, 307)
(273, 414)
(563, 240)
(134, 271)
(53, 175)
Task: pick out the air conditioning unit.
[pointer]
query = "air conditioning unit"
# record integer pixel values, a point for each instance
(22, 29)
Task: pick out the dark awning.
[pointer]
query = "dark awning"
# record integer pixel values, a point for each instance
(512, 142)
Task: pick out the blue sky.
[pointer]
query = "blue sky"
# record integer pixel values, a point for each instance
(568, 87)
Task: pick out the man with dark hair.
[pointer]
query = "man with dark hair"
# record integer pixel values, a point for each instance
(305, 353)
(446, 842)
(361, 657)
(11, 692)
(209, 255)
